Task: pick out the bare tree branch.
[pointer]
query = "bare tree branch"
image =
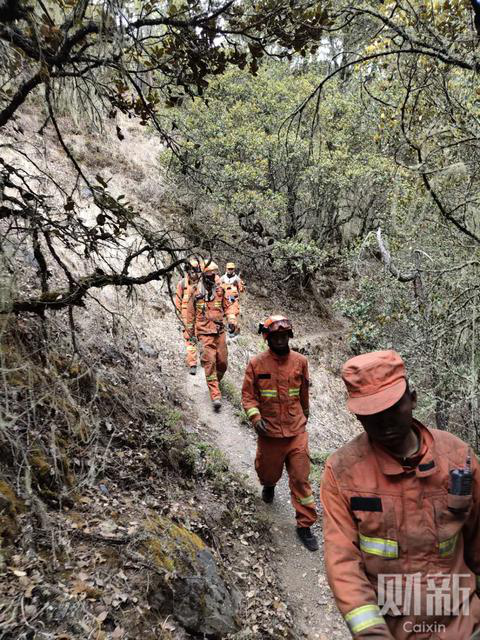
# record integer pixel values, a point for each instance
(387, 261)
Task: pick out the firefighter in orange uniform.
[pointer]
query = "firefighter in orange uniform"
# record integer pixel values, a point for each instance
(182, 296)
(275, 396)
(231, 277)
(207, 309)
(401, 516)
(233, 286)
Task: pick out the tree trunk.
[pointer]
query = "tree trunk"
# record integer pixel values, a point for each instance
(291, 230)
(324, 311)
(441, 414)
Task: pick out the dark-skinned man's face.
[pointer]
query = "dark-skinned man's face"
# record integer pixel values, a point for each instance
(194, 275)
(230, 272)
(278, 341)
(209, 277)
(391, 427)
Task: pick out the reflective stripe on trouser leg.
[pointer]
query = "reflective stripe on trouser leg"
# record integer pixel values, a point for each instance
(209, 364)
(298, 467)
(191, 353)
(222, 355)
(269, 460)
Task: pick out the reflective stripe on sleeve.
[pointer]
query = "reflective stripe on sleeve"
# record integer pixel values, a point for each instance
(191, 348)
(212, 377)
(252, 412)
(306, 500)
(294, 392)
(379, 546)
(447, 547)
(363, 617)
(268, 393)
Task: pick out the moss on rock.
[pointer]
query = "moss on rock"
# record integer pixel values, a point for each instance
(10, 507)
(49, 478)
(171, 546)
(194, 592)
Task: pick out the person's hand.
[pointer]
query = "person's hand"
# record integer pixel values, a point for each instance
(260, 427)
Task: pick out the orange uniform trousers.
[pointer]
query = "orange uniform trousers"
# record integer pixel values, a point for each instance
(214, 360)
(275, 453)
(191, 350)
(234, 318)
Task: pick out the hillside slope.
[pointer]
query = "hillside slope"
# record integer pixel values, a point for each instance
(119, 514)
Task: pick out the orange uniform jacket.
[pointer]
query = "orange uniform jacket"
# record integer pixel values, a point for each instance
(231, 294)
(184, 290)
(235, 282)
(275, 388)
(383, 518)
(233, 287)
(205, 317)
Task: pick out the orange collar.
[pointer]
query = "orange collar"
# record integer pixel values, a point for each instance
(426, 456)
(275, 356)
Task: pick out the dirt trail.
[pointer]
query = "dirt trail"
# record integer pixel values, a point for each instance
(302, 573)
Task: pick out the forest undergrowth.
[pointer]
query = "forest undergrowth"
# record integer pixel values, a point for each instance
(109, 493)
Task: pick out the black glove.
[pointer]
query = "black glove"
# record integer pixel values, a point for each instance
(260, 427)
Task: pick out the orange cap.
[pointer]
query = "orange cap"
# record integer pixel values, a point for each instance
(375, 381)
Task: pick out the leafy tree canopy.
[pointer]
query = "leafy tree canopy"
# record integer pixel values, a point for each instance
(109, 57)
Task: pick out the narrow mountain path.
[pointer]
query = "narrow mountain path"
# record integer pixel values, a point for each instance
(302, 573)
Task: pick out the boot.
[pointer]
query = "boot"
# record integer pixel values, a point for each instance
(268, 494)
(217, 404)
(307, 538)
(193, 370)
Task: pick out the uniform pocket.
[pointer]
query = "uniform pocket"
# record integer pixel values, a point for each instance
(294, 386)
(458, 504)
(377, 531)
(268, 391)
(449, 524)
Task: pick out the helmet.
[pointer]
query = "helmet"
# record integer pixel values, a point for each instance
(210, 266)
(275, 323)
(230, 265)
